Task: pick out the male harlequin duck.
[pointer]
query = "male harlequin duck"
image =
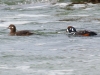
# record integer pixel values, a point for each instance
(18, 33)
(73, 31)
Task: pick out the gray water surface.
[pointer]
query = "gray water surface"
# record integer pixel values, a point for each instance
(50, 51)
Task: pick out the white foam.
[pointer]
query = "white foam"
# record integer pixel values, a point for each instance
(37, 7)
(23, 67)
(11, 17)
(91, 4)
(53, 49)
(63, 5)
(40, 44)
(88, 9)
(83, 15)
(60, 72)
(44, 21)
(27, 15)
(96, 22)
(4, 67)
(3, 25)
(79, 6)
(6, 24)
(75, 6)
(54, 72)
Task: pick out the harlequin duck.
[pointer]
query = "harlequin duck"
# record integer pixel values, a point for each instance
(73, 31)
(18, 33)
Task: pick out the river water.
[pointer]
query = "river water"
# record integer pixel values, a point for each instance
(50, 51)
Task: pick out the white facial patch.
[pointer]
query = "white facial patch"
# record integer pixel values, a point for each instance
(72, 30)
(12, 27)
(67, 30)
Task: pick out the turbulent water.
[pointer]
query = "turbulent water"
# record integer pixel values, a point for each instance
(50, 51)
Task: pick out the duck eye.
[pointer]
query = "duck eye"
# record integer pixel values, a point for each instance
(70, 29)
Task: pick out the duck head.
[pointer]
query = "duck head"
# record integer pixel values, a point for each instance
(71, 29)
(12, 28)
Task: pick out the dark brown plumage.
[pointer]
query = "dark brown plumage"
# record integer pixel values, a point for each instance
(13, 31)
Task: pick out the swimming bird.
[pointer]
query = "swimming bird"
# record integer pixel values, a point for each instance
(73, 31)
(13, 31)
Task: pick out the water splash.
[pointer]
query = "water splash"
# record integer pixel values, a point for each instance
(20, 2)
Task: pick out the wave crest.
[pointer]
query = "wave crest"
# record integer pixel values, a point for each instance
(18, 2)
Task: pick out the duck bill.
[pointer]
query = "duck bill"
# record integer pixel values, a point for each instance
(8, 27)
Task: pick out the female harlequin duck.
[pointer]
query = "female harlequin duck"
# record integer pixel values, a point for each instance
(18, 33)
(73, 31)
